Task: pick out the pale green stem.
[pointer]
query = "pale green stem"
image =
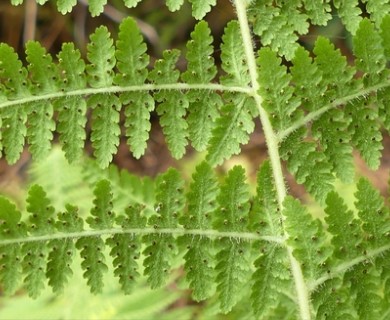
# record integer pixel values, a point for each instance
(342, 268)
(337, 102)
(273, 151)
(117, 89)
(239, 236)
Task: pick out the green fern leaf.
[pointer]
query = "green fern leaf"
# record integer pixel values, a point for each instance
(331, 129)
(13, 74)
(364, 279)
(102, 216)
(131, 3)
(343, 226)
(65, 6)
(63, 250)
(279, 24)
(385, 26)
(336, 74)
(319, 13)
(235, 124)
(14, 131)
(232, 128)
(14, 77)
(10, 228)
(101, 54)
(370, 56)
(274, 88)
(105, 125)
(96, 7)
(173, 104)
(174, 5)
(372, 212)
(40, 130)
(232, 258)
(125, 260)
(203, 104)
(201, 7)
(307, 79)
(365, 129)
(308, 239)
(309, 166)
(264, 215)
(92, 247)
(41, 222)
(132, 63)
(71, 110)
(201, 204)
(233, 57)
(378, 9)
(333, 301)
(349, 13)
(271, 278)
(271, 275)
(161, 248)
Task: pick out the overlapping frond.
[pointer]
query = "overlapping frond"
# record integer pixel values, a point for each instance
(116, 75)
(199, 7)
(216, 233)
(318, 109)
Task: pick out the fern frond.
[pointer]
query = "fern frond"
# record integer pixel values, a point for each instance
(385, 36)
(309, 166)
(203, 104)
(125, 260)
(331, 130)
(233, 256)
(343, 226)
(201, 206)
(275, 89)
(13, 76)
(333, 301)
(369, 53)
(377, 9)
(372, 212)
(307, 238)
(63, 251)
(173, 105)
(272, 263)
(11, 227)
(132, 63)
(235, 124)
(91, 248)
(199, 7)
(40, 222)
(350, 13)
(232, 128)
(161, 248)
(106, 107)
(279, 24)
(71, 110)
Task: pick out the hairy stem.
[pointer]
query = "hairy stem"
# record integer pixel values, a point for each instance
(117, 89)
(238, 236)
(273, 151)
(342, 268)
(340, 101)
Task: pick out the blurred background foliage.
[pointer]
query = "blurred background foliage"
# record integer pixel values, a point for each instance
(65, 183)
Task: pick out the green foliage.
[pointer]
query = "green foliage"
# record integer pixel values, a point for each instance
(201, 205)
(265, 256)
(203, 104)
